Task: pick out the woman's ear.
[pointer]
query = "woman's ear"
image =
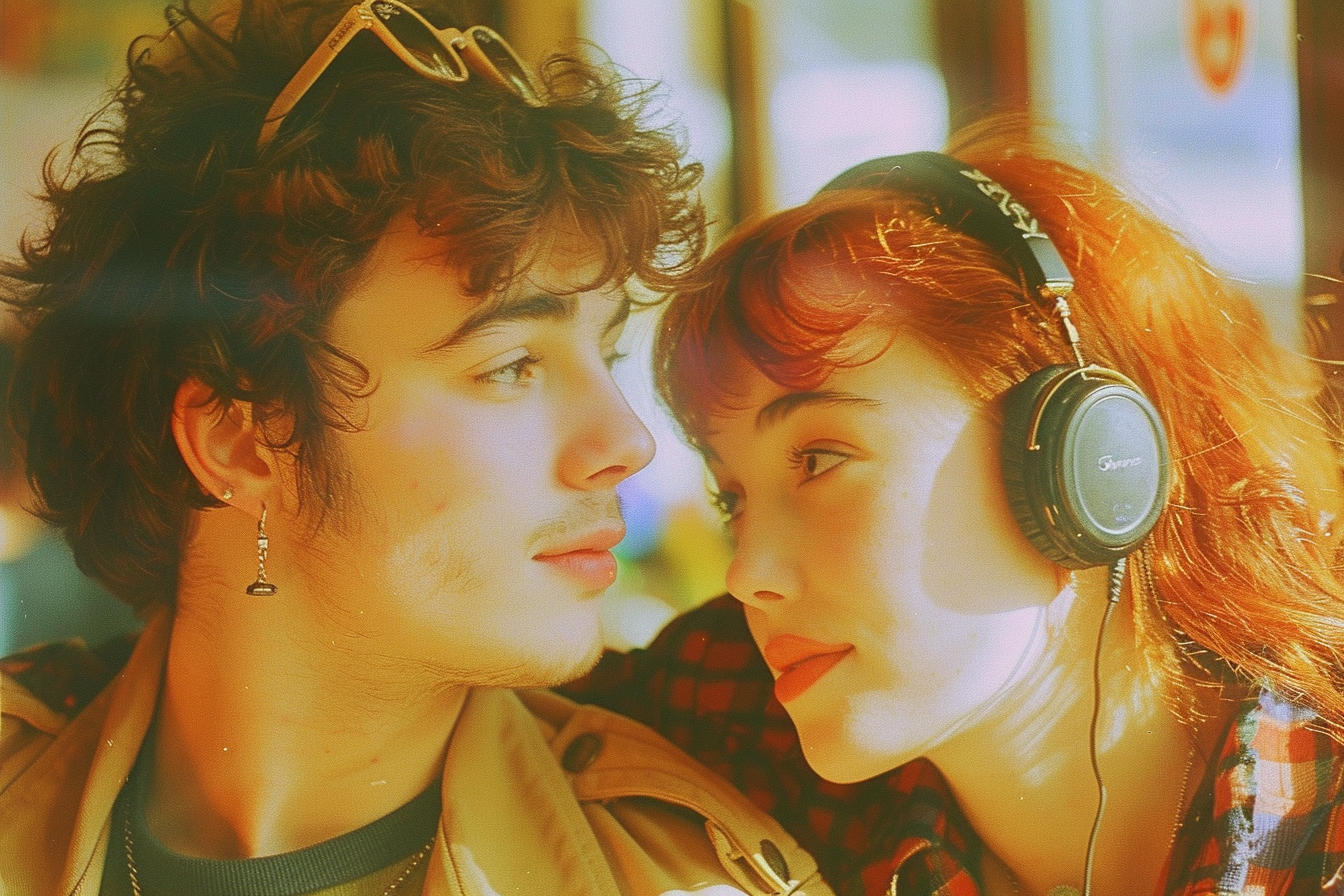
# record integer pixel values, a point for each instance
(223, 449)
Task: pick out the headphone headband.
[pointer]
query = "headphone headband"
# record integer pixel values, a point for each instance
(969, 201)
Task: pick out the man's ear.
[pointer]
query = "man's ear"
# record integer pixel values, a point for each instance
(223, 449)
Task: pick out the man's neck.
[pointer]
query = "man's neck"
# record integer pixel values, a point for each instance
(1025, 781)
(271, 735)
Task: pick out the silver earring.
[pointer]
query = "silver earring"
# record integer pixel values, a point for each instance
(227, 495)
(261, 586)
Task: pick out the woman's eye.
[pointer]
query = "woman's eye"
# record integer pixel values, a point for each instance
(613, 358)
(725, 503)
(515, 373)
(815, 461)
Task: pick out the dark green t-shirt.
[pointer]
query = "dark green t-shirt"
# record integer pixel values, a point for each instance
(364, 862)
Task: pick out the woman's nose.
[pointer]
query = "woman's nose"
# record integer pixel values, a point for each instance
(765, 568)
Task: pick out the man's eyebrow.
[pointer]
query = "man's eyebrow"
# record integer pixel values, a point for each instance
(784, 405)
(534, 306)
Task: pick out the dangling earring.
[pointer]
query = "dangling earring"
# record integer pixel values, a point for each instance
(261, 586)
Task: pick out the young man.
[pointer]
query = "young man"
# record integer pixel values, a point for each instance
(318, 380)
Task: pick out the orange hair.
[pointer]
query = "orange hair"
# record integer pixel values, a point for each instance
(1241, 562)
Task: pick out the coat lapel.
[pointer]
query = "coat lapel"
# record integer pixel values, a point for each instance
(510, 821)
(77, 777)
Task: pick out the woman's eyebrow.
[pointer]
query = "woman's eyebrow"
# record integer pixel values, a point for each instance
(774, 412)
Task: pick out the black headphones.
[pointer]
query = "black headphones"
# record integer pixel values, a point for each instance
(1084, 454)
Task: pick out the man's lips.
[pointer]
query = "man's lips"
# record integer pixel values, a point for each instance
(586, 559)
(800, 662)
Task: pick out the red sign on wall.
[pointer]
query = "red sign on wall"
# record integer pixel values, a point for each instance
(1217, 39)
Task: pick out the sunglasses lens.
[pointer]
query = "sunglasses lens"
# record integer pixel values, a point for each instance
(418, 40)
(501, 58)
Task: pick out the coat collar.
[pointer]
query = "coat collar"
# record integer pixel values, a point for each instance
(522, 816)
(77, 777)
(511, 821)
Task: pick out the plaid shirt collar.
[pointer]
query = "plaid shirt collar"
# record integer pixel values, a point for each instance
(1261, 819)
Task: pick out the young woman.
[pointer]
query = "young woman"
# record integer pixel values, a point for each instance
(1079, 630)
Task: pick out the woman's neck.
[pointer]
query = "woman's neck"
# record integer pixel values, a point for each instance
(1024, 777)
(273, 733)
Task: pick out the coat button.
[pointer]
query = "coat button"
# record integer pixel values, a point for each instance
(581, 752)
(775, 859)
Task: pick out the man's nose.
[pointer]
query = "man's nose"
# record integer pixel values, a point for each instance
(609, 442)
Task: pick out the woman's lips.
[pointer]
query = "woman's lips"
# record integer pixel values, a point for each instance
(800, 662)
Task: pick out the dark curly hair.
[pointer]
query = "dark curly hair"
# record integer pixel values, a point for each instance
(175, 249)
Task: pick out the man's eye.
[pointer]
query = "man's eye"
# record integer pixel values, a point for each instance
(515, 373)
(815, 461)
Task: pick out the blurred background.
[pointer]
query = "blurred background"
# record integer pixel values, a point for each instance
(1226, 116)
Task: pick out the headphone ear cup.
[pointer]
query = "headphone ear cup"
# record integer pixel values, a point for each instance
(1085, 464)
(1020, 467)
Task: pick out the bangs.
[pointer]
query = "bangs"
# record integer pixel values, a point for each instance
(796, 300)
(830, 284)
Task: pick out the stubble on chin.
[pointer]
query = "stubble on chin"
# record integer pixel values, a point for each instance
(441, 578)
(516, 671)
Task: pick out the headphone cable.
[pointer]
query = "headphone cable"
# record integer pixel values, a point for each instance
(1117, 577)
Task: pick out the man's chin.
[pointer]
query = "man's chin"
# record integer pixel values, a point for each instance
(566, 671)
(547, 669)
(536, 650)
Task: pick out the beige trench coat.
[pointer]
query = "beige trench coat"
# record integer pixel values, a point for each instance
(541, 796)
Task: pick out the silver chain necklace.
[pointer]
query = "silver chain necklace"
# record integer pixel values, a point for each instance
(391, 888)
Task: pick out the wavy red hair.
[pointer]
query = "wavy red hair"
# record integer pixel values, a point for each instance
(1242, 562)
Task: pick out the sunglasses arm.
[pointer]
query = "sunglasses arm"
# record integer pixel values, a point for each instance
(355, 21)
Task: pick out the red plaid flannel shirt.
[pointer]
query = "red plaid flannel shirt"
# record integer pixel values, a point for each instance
(1266, 821)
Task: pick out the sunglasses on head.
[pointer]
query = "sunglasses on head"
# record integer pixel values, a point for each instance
(440, 54)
